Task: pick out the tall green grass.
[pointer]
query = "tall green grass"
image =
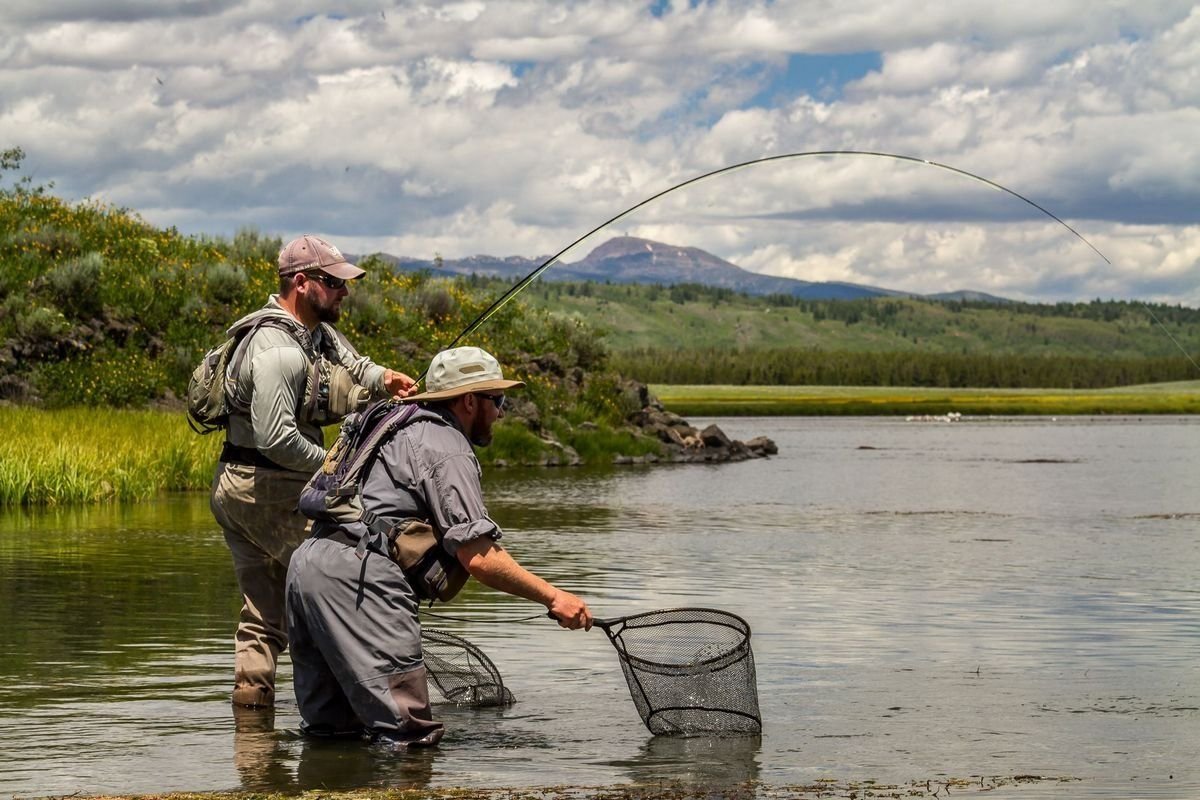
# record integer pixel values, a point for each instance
(81, 455)
(84, 455)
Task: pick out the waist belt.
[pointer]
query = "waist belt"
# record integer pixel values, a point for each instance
(246, 456)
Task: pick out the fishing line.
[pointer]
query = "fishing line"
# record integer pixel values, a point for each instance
(520, 285)
(1165, 330)
(427, 613)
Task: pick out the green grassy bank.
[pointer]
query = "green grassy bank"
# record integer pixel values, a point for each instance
(82, 455)
(1161, 398)
(87, 455)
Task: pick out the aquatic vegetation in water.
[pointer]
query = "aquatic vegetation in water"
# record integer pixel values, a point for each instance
(939, 787)
(86, 455)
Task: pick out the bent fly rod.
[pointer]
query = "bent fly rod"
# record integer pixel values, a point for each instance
(533, 275)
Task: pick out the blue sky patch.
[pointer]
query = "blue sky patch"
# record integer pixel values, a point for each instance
(820, 76)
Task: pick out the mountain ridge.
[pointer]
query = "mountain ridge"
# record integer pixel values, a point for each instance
(631, 259)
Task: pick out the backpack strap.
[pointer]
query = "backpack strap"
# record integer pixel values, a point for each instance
(331, 340)
(351, 482)
(244, 336)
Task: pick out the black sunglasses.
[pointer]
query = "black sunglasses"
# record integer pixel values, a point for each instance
(328, 280)
(498, 399)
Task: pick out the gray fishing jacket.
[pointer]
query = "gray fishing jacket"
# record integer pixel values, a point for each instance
(271, 383)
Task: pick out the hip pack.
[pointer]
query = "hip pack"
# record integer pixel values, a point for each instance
(334, 496)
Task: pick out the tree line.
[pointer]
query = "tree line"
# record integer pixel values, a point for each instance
(796, 367)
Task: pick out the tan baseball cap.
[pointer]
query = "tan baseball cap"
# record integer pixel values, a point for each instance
(462, 370)
(308, 253)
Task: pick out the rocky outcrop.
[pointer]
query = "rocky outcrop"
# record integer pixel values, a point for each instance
(682, 441)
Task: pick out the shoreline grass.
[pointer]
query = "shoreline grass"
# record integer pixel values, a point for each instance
(88, 455)
(1181, 397)
(85, 455)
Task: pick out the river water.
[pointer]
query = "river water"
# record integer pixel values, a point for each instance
(992, 597)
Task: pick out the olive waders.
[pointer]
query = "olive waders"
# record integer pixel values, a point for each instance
(255, 505)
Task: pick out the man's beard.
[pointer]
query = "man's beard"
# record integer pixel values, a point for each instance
(329, 311)
(480, 434)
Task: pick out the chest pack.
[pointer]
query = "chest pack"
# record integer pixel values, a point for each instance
(334, 496)
(330, 391)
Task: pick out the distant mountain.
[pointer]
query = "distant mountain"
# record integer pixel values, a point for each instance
(968, 295)
(628, 259)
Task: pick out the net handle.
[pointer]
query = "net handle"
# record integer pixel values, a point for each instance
(609, 623)
(602, 624)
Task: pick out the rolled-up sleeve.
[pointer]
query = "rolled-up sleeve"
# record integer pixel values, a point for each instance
(458, 508)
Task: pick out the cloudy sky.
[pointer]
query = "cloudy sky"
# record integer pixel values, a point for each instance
(513, 128)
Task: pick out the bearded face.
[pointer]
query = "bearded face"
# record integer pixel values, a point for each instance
(322, 301)
(480, 433)
(487, 412)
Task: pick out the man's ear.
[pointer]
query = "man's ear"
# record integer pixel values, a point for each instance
(465, 403)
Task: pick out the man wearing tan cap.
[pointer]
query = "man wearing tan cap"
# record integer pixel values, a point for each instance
(356, 636)
(291, 373)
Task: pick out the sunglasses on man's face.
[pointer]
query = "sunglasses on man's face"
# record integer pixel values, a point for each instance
(498, 399)
(328, 280)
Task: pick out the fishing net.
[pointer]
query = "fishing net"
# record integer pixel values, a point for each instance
(461, 672)
(690, 670)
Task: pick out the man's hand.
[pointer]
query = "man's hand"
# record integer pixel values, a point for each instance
(570, 611)
(398, 384)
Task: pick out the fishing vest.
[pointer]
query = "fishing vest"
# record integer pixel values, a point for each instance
(330, 391)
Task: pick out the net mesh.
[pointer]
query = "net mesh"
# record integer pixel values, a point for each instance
(690, 670)
(461, 672)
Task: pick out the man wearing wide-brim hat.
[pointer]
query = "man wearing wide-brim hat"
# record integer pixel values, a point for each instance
(353, 623)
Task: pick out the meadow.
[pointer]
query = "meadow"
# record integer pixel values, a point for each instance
(689, 317)
(1180, 397)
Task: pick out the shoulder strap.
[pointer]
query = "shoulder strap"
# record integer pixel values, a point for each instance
(332, 339)
(243, 340)
(391, 422)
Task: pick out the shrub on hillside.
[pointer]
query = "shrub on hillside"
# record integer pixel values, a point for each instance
(75, 285)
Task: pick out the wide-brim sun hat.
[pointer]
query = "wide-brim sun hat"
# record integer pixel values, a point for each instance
(462, 370)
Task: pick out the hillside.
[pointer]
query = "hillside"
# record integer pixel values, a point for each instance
(99, 309)
(691, 317)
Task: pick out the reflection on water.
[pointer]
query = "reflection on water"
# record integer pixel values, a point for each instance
(696, 760)
(1013, 597)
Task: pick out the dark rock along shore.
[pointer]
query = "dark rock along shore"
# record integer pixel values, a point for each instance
(684, 442)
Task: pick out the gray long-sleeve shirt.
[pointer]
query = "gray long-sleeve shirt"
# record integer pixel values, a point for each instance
(271, 382)
(428, 470)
